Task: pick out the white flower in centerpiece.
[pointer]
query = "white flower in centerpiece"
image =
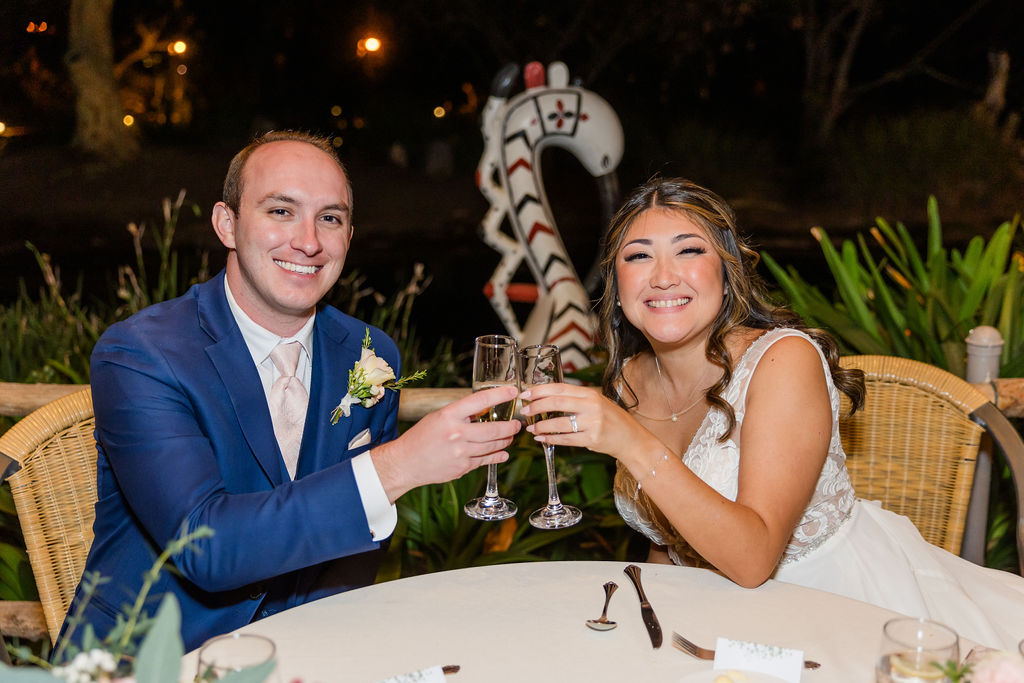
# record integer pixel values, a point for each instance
(998, 667)
(87, 667)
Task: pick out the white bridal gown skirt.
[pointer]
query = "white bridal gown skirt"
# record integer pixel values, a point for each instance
(880, 557)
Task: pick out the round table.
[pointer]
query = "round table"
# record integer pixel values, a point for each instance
(525, 622)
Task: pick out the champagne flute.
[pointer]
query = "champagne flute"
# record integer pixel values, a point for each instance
(495, 364)
(915, 651)
(542, 364)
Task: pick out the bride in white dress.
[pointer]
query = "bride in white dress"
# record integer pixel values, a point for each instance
(722, 411)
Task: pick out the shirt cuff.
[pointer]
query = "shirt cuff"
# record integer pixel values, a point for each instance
(381, 515)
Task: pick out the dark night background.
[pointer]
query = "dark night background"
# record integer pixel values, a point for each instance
(716, 91)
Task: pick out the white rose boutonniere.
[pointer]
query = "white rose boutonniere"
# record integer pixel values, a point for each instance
(368, 380)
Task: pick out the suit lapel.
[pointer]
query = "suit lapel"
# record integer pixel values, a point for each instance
(324, 444)
(231, 357)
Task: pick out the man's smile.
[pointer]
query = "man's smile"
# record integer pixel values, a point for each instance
(296, 268)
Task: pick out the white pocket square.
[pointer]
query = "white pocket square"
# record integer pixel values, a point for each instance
(360, 439)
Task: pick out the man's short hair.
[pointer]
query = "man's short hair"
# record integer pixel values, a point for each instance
(232, 194)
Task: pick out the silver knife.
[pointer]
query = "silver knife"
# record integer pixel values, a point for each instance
(646, 611)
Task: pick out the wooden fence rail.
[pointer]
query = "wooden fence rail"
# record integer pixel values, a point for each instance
(17, 400)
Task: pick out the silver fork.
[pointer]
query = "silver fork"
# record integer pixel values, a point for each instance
(695, 650)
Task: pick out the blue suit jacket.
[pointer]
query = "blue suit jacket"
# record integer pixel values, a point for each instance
(185, 439)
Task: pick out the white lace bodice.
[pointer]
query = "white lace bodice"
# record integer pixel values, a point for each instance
(718, 464)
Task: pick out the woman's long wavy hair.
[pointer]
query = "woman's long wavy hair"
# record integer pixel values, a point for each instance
(745, 303)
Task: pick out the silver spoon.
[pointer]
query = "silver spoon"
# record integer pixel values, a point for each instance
(602, 623)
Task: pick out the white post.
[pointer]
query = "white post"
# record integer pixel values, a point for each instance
(984, 347)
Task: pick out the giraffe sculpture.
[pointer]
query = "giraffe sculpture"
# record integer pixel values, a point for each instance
(516, 130)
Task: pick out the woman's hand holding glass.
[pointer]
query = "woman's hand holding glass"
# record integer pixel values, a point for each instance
(582, 417)
(542, 364)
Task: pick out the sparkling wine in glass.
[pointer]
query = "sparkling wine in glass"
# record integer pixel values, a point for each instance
(915, 651)
(542, 364)
(495, 363)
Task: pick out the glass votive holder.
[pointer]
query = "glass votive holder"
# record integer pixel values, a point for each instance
(915, 650)
(222, 655)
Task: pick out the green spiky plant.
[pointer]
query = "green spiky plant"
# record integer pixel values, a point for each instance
(912, 304)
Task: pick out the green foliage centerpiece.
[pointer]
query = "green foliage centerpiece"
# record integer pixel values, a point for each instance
(139, 648)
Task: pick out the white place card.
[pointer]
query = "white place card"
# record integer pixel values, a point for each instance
(433, 674)
(767, 659)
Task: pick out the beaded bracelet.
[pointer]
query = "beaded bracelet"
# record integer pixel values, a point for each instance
(654, 473)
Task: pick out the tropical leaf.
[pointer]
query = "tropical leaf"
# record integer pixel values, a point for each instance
(852, 295)
(934, 229)
(916, 270)
(893, 319)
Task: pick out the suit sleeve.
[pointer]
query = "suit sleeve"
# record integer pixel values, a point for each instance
(168, 448)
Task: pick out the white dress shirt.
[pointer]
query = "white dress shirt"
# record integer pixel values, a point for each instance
(381, 514)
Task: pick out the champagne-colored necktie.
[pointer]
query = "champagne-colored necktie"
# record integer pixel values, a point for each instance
(288, 402)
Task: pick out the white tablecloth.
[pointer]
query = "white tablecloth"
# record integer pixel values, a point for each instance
(525, 622)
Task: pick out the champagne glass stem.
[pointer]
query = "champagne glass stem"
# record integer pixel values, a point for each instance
(491, 494)
(554, 502)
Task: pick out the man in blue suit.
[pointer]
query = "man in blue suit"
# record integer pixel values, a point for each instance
(185, 435)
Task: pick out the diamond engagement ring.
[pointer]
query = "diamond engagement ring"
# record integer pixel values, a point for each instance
(572, 421)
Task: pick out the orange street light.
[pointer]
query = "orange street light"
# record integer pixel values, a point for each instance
(178, 47)
(367, 45)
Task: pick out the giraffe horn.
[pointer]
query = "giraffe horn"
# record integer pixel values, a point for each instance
(505, 81)
(534, 75)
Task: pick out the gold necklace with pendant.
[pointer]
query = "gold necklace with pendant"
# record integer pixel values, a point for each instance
(674, 414)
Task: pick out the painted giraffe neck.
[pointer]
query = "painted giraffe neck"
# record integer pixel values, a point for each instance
(515, 133)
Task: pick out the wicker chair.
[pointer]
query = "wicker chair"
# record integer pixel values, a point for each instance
(915, 445)
(54, 493)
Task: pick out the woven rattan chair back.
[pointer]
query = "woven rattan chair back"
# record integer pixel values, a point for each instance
(914, 446)
(54, 493)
